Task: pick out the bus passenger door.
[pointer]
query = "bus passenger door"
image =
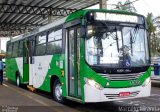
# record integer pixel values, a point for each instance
(74, 88)
(31, 61)
(26, 62)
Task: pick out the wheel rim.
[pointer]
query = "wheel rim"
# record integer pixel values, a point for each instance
(58, 92)
(17, 81)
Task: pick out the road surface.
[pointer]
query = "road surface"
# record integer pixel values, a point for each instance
(15, 99)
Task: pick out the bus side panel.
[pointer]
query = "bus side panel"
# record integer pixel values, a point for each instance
(41, 66)
(56, 68)
(19, 62)
(25, 72)
(11, 68)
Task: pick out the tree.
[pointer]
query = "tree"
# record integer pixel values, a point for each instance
(151, 28)
(156, 24)
(127, 6)
(154, 33)
(151, 32)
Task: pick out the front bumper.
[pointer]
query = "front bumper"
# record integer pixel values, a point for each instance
(111, 94)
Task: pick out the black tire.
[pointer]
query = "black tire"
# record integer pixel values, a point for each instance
(56, 88)
(18, 82)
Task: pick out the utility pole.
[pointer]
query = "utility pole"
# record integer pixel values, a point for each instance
(103, 4)
(50, 17)
(26, 31)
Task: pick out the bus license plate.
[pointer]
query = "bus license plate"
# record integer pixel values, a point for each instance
(124, 94)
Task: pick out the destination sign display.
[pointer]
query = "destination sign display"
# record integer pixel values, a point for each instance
(118, 17)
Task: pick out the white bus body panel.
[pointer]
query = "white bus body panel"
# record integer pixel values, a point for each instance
(31, 72)
(93, 94)
(41, 66)
(19, 62)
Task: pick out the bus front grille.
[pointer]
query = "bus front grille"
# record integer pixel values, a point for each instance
(116, 96)
(130, 76)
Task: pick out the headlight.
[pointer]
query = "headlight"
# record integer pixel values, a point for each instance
(146, 82)
(93, 83)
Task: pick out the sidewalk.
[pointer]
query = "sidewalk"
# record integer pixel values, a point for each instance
(155, 77)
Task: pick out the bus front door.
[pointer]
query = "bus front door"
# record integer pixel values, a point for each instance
(74, 88)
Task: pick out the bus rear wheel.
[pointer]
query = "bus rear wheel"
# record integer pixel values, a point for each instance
(18, 81)
(57, 91)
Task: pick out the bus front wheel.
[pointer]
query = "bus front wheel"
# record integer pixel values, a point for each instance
(57, 91)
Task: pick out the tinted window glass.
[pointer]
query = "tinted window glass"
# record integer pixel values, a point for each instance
(54, 42)
(15, 50)
(40, 49)
(55, 35)
(54, 47)
(20, 50)
(9, 51)
(41, 44)
(41, 38)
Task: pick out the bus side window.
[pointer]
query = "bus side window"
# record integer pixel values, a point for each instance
(26, 52)
(41, 44)
(15, 50)
(20, 49)
(9, 50)
(32, 49)
(54, 45)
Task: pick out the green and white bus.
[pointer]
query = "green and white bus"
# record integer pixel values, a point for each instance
(88, 56)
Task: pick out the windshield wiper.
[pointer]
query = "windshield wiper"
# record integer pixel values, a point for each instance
(117, 40)
(133, 37)
(115, 37)
(131, 42)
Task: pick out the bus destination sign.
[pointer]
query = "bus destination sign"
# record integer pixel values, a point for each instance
(118, 17)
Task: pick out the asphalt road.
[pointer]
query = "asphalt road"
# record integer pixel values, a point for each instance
(15, 99)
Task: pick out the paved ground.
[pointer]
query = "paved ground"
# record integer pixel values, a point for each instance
(155, 77)
(14, 99)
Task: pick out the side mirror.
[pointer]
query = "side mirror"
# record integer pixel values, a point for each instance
(90, 31)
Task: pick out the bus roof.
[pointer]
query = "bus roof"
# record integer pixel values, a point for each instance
(43, 28)
(81, 13)
(73, 16)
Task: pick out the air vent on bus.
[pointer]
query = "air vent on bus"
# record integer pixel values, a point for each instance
(116, 96)
(130, 76)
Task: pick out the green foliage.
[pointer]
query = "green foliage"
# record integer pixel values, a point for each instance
(153, 23)
(151, 32)
(151, 28)
(126, 6)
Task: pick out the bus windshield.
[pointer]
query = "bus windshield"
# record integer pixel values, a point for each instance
(116, 46)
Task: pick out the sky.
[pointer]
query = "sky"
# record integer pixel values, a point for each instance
(145, 6)
(142, 6)
(3, 43)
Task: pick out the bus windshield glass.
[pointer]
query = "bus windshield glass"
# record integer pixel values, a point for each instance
(116, 45)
